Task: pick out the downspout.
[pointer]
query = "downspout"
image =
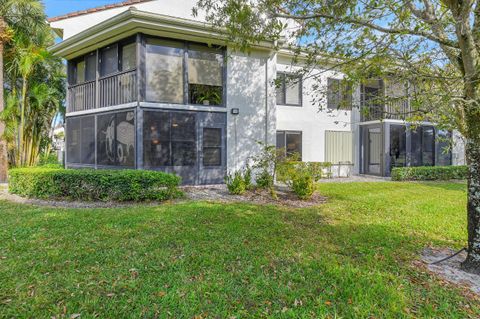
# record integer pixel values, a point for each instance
(266, 101)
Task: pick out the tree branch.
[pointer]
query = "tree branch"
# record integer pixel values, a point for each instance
(359, 22)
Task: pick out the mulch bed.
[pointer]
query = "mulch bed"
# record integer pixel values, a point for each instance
(285, 198)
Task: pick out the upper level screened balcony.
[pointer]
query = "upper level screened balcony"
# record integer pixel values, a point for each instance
(146, 69)
(384, 99)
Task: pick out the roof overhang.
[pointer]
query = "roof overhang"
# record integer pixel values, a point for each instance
(135, 21)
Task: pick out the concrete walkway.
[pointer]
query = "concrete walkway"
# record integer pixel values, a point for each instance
(356, 178)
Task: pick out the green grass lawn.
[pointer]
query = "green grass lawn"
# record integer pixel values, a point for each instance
(349, 258)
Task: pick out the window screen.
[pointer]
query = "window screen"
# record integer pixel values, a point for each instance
(91, 67)
(80, 75)
(129, 56)
(164, 71)
(109, 60)
(212, 147)
(87, 137)
(156, 139)
(205, 75)
(444, 151)
(398, 146)
(73, 140)
(289, 89)
(81, 140)
(183, 139)
(169, 139)
(116, 139)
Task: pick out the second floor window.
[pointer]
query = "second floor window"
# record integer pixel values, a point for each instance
(339, 95)
(289, 89)
(84, 69)
(118, 57)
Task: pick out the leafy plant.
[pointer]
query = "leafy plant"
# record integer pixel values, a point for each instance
(302, 185)
(89, 184)
(206, 93)
(247, 177)
(235, 183)
(429, 173)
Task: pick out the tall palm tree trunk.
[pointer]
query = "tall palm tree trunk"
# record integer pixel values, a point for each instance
(3, 144)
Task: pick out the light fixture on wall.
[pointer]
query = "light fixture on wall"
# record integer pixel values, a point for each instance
(235, 111)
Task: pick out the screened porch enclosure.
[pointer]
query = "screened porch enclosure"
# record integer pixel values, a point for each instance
(386, 145)
(147, 69)
(187, 143)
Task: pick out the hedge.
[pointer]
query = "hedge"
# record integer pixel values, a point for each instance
(429, 173)
(93, 185)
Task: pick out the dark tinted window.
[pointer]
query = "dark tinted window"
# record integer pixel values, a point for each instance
(339, 95)
(183, 139)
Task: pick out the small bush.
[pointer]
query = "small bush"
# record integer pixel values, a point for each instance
(303, 185)
(429, 173)
(235, 183)
(90, 185)
(264, 180)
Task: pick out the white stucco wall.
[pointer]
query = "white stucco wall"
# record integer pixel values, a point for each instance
(177, 8)
(311, 118)
(250, 88)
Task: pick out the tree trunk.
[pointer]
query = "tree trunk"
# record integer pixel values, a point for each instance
(472, 152)
(3, 144)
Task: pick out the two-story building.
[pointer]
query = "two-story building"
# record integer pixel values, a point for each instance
(152, 87)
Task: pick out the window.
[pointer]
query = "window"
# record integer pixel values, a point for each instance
(423, 146)
(205, 75)
(339, 95)
(80, 72)
(164, 71)
(91, 67)
(116, 139)
(169, 139)
(289, 89)
(81, 140)
(212, 147)
(290, 142)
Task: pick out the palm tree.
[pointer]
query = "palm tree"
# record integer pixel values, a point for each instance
(16, 16)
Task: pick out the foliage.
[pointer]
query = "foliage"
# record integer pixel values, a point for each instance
(235, 183)
(287, 168)
(203, 94)
(35, 82)
(427, 53)
(265, 165)
(348, 258)
(247, 177)
(303, 185)
(91, 185)
(429, 173)
(48, 159)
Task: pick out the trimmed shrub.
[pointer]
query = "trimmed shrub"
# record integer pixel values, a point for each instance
(303, 185)
(91, 185)
(429, 173)
(264, 180)
(235, 183)
(247, 178)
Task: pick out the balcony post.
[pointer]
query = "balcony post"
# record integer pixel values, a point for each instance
(97, 77)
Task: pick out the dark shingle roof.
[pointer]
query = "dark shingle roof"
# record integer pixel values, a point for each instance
(92, 10)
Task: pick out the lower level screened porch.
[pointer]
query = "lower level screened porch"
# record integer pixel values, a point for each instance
(191, 144)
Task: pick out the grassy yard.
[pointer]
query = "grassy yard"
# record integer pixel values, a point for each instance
(349, 258)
